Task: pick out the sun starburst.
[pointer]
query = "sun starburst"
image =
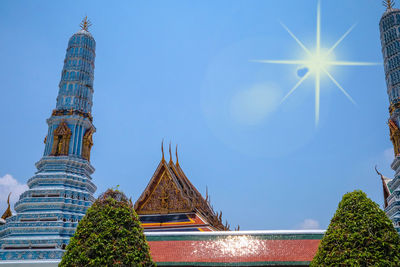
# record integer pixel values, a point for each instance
(317, 63)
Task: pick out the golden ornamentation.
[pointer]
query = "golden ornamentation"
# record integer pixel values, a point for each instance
(162, 150)
(8, 212)
(170, 154)
(63, 112)
(61, 139)
(85, 24)
(45, 140)
(388, 4)
(394, 136)
(170, 191)
(393, 107)
(176, 154)
(87, 143)
(164, 198)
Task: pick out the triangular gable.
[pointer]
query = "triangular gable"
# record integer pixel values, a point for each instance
(186, 185)
(62, 129)
(187, 181)
(202, 205)
(163, 194)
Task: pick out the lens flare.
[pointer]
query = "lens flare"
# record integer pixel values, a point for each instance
(318, 63)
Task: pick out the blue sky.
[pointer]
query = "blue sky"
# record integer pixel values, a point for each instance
(182, 71)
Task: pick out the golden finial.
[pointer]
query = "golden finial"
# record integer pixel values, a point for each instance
(170, 154)
(85, 24)
(388, 4)
(7, 213)
(176, 154)
(162, 150)
(380, 174)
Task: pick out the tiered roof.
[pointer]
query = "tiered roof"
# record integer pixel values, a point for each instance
(170, 192)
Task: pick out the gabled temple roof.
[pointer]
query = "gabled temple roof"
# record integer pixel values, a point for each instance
(170, 191)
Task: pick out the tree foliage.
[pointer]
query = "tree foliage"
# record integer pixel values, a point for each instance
(109, 234)
(360, 234)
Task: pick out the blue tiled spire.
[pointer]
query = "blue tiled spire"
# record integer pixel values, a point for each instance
(390, 39)
(76, 85)
(61, 190)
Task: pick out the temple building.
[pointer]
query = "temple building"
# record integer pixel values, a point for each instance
(390, 38)
(181, 226)
(170, 202)
(61, 190)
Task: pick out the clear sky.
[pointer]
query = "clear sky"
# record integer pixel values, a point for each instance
(182, 71)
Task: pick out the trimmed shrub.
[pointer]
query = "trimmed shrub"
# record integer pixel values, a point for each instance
(360, 234)
(109, 234)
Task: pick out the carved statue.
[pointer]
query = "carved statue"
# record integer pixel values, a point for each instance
(394, 136)
(87, 143)
(164, 199)
(61, 138)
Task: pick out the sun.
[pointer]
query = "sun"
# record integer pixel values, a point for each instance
(318, 62)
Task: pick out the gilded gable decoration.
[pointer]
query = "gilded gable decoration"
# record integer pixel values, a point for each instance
(87, 143)
(61, 139)
(163, 196)
(170, 192)
(394, 136)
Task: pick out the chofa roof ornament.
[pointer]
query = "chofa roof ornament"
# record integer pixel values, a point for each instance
(8, 212)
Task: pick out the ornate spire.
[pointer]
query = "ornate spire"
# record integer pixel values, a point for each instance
(7, 213)
(388, 4)
(85, 24)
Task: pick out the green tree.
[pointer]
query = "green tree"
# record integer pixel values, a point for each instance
(360, 234)
(109, 234)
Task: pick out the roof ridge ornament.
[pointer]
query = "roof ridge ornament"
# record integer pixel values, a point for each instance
(389, 4)
(85, 24)
(170, 153)
(162, 150)
(176, 155)
(8, 212)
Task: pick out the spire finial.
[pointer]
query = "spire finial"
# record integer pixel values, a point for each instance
(7, 213)
(170, 153)
(380, 174)
(388, 4)
(162, 149)
(176, 154)
(85, 24)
